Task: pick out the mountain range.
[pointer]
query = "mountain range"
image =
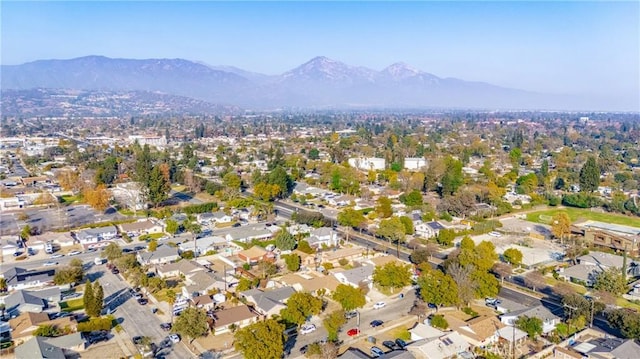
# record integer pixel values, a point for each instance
(318, 83)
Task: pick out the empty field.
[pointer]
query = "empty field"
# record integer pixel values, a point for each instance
(583, 214)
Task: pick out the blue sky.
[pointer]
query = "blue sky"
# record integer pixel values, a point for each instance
(554, 47)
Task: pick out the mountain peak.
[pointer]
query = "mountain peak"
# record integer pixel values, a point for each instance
(401, 70)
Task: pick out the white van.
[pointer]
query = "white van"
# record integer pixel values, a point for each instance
(48, 247)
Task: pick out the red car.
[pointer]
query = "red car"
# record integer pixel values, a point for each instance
(353, 332)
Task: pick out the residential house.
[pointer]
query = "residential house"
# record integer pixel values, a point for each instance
(428, 229)
(22, 301)
(355, 276)
(221, 217)
(414, 163)
(450, 345)
(253, 255)
(162, 254)
(355, 353)
(239, 316)
(247, 234)
(549, 320)
(145, 226)
(91, 236)
(268, 302)
(23, 326)
(205, 218)
(580, 273)
(424, 331)
(176, 269)
(607, 261)
(479, 332)
(203, 245)
(66, 346)
(608, 348)
(323, 237)
(203, 302)
(346, 253)
(63, 239)
(310, 282)
(21, 278)
(11, 245)
(200, 283)
(512, 335)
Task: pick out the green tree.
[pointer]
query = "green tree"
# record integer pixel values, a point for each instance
(158, 185)
(392, 275)
(25, 233)
(68, 275)
(94, 307)
(332, 323)
(408, 224)
(112, 251)
(531, 325)
(232, 180)
(261, 340)
(172, 226)
(3, 285)
(513, 256)
(438, 288)
(452, 178)
(590, 175)
(284, 240)
(383, 208)
(626, 321)
(300, 306)
(485, 256)
(445, 237)
(438, 321)
(611, 281)
(350, 218)
(46, 330)
(392, 229)
(266, 268)
(314, 154)
(88, 298)
(292, 261)
(486, 284)
(192, 323)
(413, 199)
(349, 297)
(153, 245)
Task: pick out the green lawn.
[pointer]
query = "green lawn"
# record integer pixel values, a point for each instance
(67, 199)
(72, 305)
(585, 214)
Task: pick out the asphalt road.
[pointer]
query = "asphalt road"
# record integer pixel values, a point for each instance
(136, 319)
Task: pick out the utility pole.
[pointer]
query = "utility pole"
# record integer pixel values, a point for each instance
(573, 311)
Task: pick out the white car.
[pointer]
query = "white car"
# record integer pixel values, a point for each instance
(495, 234)
(57, 256)
(379, 305)
(174, 338)
(74, 253)
(49, 264)
(308, 328)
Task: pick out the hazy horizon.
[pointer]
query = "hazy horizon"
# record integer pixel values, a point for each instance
(582, 48)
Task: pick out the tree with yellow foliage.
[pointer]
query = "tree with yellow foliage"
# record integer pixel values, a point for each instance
(98, 197)
(561, 225)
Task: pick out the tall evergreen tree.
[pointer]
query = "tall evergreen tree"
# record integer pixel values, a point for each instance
(590, 175)
(88, 298)
(98, 298)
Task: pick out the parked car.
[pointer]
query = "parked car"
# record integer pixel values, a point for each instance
(401, 343)
(115, 270)
(376, 323)
(57, 256)
(74, 253)
(17, 254)
(376, 352)
(31, 251)
(389, 344)
(143, 301)
(353, 332)
(175, 338)
(379, 305)
(137, 340)
(304, 348)
(165, 326)
(49, 264)
(351, 314)
(492, 301)
(307, 328)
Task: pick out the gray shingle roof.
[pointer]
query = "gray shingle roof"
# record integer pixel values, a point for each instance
(267, 300)
(19, 297)
(38, 347)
